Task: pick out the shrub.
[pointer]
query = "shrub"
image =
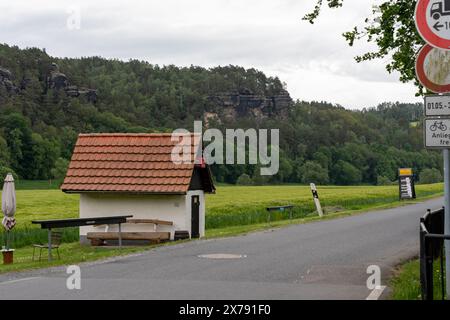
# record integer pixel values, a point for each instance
(346, 173)
(383, 181)
(4, 171)
(60, 169)
(244, 180)
(428, 176)
(313, 172)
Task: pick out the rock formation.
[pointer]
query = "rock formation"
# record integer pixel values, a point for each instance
(244, 103)
(6, 80)
(55, 80)
(59, 81)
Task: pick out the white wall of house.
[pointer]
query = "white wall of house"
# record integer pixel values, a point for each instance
(163, 207)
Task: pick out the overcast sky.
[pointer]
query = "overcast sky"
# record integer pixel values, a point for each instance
(314, 60)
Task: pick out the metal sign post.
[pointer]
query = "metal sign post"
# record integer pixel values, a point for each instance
(446, 153)
(437, 136)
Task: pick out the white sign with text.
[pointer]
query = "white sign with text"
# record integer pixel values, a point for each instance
(437, 105)
(437, 133)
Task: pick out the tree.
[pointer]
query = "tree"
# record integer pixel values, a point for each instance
(60, 169)
(313, 172)
(391, 27)
(346, 174)
(244, 180)
(430, 176)
(18, 137)
(4, 152)
(39, 126)
(4, 171)
(383, 181)
(285, 169)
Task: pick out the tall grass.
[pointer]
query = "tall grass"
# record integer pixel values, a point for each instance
(29, 236)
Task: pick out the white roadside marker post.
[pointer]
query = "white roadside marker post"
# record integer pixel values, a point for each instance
(316, 200)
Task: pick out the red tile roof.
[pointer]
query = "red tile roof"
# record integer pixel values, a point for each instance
(138, 163)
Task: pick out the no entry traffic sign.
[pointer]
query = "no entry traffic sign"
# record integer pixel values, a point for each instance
(433, 69)
(433, 22)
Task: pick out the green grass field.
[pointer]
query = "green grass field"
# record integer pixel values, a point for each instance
(231, 206)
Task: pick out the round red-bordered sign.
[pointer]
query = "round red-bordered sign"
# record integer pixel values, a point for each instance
(422, 75)
(427, 32)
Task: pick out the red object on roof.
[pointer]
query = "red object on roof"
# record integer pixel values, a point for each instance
(136, 163)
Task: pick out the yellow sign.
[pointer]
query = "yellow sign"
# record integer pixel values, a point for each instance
(405, 172)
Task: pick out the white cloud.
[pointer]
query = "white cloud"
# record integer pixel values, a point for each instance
(314, 60)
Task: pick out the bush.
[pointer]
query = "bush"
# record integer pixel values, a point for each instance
(383, 181)
(60, 169)
(346, 173)
(313, 172)
(428, 176)
(4, 171)
(244, 180)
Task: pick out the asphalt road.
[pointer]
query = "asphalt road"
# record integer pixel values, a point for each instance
(320, 260)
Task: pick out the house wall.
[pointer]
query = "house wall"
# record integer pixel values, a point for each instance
(164, 207)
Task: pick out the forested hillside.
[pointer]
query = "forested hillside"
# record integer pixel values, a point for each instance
(45, 102)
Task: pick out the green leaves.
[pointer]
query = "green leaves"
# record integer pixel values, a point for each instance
(312, 16)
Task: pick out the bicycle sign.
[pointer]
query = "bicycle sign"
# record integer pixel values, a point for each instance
(438, 125)
(437, 133)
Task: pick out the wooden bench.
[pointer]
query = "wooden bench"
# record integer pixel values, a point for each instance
(155, 222)
(97, 238)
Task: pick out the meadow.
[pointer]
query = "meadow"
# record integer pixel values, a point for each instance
(231, 206)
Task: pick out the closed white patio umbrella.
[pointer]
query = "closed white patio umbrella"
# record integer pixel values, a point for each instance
(8, 206)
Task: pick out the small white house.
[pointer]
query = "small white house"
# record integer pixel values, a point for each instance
(134, 174)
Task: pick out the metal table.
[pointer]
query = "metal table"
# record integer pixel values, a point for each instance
(66, 223)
